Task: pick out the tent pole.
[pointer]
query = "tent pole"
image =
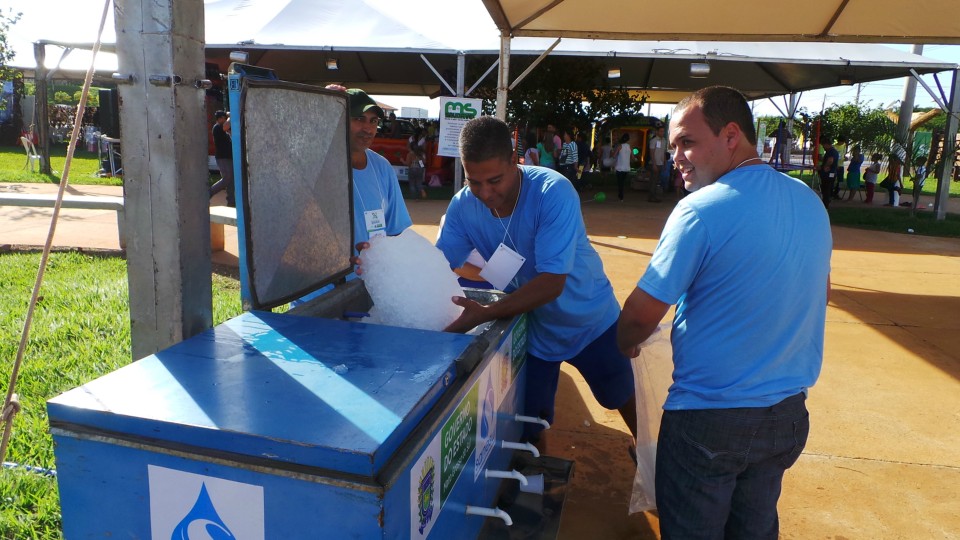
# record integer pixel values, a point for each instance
(461, 75)
(949, 150)
(503, 75)
(42, 118)
(906, 115)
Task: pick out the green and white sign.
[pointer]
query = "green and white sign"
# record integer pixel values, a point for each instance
(454, 113)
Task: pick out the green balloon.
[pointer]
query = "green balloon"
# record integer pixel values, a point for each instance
(600, 197)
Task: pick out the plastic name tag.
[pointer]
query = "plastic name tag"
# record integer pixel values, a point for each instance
(502, 267)
(376, 225)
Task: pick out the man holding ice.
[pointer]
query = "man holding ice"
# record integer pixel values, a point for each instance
(526, 223)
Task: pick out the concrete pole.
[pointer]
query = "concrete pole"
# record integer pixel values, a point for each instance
(906, 115)
(949, 150)
(503, 75)
(461, 76)
(160, 52)
(42, 118)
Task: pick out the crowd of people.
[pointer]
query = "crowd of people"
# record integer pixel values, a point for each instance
(833, 178)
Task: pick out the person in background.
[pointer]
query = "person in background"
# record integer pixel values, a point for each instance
(657, 146)
(828, 170)
(526, 223)
(223, 153)
(606, 155)
(894, 173)
(547, 151)
(569, 158)
(532, 155)
(841, 148)
(621, 156)
(870, 177)
(584, 154)
(415, 170)
(745, 348)
(853, 172)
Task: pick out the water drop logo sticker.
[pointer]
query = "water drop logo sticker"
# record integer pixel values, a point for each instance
(187, 506)
(202, 522)
(487, 419)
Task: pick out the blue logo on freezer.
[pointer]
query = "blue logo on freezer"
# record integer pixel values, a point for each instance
(202, 522)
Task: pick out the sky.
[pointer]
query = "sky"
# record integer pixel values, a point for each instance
(78, 21)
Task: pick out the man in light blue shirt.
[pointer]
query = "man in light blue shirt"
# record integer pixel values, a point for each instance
(746, 259)
(526, 224)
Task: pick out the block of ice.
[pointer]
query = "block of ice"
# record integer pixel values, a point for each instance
(410, 282)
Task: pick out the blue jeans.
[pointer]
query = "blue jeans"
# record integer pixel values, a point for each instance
(719, 471)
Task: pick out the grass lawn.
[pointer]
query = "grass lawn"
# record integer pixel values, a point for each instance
(81, 330)
(83, 168)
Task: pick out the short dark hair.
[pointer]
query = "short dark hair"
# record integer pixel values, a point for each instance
(720, 106)
(484, 138)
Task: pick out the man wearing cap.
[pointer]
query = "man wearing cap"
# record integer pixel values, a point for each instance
(378, 208)
(223, 153)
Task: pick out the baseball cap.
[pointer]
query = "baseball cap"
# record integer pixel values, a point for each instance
(219, 114)
(360, 103)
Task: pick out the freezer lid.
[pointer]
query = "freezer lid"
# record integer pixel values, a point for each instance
(295, 196)
(319, 393)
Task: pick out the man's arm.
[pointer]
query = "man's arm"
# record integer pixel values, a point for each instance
(540, 290)
(639, 317)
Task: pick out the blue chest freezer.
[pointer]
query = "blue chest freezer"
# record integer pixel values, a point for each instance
(303, 424)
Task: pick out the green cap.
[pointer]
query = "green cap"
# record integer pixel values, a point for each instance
(360, 103)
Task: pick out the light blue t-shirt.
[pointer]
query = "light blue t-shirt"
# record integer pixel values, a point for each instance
(547, 229)
(376, 187)
(746, 259)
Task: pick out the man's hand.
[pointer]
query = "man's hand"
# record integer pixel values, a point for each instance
(355, 260)
(474, 314)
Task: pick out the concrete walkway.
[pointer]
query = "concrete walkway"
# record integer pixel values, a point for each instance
(882, 461)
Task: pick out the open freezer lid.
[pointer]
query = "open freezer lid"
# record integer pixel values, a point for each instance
(295, 211)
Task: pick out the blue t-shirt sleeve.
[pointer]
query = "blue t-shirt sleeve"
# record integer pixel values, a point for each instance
(558, 221)
(680, 254)
(453, 240)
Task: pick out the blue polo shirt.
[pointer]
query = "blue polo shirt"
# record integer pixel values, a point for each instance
(547, 229)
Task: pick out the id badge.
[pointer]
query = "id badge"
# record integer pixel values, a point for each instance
(502, 267)
(376, 225)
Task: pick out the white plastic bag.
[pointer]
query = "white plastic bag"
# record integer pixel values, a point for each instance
(652, 376)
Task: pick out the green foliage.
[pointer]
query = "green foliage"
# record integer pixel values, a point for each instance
(61, 97)
(564, 91)
(870, 128)
(81, 330)
(7, 19)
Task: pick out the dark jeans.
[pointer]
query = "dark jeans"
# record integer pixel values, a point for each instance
(621, 182)
(826, 189)
(719, 471)
(570, 171)
(225, 182)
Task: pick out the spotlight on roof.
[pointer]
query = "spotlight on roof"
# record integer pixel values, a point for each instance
(699, 70)
(846, 81)
(613, 74)
(241, 57)
(332, 64)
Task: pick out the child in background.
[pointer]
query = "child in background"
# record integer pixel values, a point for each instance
(870, 177)
(415, 169)
(853, 173)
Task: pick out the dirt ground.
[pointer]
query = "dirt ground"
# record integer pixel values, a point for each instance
(882, 461)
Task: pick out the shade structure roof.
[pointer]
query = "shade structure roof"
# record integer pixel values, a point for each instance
(858, 21)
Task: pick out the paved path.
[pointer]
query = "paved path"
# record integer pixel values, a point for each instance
(882, 460)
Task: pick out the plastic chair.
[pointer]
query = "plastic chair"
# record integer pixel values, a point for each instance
(32, 155)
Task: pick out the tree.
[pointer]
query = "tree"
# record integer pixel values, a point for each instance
(870, 128)
(563, 91)
(61, 97)
(7, 20)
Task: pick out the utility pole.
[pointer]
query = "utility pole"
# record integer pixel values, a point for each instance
(160, 53)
